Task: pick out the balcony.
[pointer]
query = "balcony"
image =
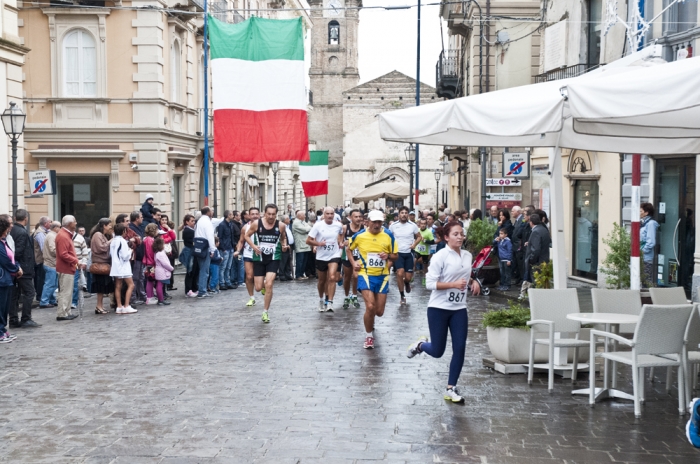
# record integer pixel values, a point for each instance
(564, 72)
(447, 72)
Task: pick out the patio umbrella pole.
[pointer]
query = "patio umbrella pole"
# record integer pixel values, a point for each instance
(635, 281)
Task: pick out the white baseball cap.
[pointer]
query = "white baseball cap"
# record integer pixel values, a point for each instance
(375, 215)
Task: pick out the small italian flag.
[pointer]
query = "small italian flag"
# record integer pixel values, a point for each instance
(314, 174)
(259, 97)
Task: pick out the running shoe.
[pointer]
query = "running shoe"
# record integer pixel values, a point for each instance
(453, 395)
(10, 336)
(127, 310)
(329, 306)
(265, 317)
(355, 303)
(414, 348)
(346, 302)
(191, 294)
(321, 306)
(403, 301)
(340, 283)
(262, 291)
(692, 430)
(408, 287)
(203, 295)
(369, 343)
(251, 302)
(5, 339)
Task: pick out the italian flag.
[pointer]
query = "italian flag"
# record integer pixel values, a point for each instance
(259, 97)
(314, 174)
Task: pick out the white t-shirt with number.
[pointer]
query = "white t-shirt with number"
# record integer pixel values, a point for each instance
(322, 232)
(448, 266)
(405, 234)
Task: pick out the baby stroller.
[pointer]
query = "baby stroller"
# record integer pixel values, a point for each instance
(481, 260)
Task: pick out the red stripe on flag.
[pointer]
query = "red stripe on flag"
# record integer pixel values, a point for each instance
(312, 189)
(243, 136)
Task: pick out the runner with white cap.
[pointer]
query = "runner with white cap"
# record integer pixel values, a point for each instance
(376, 247)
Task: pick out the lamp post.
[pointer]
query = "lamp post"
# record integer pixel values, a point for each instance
(437, 189)
(13, 123)
(410, 152)
(275, 167)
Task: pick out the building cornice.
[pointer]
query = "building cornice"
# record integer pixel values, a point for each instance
(52, 134)
(13, 47)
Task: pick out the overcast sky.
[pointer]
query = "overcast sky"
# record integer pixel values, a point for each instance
(387, 40)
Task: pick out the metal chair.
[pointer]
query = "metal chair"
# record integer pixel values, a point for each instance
(659, 332)
(548, 310)
(666, 296)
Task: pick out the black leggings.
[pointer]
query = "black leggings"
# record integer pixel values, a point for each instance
(439, 321)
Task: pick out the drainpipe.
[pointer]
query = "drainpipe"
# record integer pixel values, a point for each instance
(488, 47)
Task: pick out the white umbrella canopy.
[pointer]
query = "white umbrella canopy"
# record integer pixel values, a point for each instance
(654, 104)
(390, 190)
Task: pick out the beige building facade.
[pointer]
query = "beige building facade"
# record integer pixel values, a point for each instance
(114, 100)
(13, 54)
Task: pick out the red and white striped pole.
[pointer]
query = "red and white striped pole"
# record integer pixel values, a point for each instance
(635, 281)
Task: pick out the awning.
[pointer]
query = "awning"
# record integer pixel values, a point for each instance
(390, 190)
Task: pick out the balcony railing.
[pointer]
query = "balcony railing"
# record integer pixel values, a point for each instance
(447, 72)
(564, 73)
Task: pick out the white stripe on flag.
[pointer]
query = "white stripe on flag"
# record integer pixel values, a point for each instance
(313, 173)
(258, 85)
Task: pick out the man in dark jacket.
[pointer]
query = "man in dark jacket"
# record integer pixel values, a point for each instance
(237, 269)
(225, 234)
(537, 249)
(521, 233)
(24, 285)
(138, 296)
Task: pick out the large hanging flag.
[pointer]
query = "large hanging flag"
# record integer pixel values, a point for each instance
(314, 174)
(259, 97)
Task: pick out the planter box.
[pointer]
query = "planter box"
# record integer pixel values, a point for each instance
(512, 346)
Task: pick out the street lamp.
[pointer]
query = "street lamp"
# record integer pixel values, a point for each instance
(13, 123)
(275, 166)
(437, 189)
(410, 152)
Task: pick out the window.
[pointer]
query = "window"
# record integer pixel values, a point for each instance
(79, 64)
(333, 33)
(595, 12)
(586, 229)
(175, 71)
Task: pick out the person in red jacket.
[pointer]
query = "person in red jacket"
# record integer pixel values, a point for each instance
(66, 265)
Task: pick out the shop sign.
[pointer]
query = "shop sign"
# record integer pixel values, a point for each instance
(504, 196)
(503, 182)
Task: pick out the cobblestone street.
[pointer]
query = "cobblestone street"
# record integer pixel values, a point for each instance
(207, 381)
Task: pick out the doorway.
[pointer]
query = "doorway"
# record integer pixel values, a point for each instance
(86, 198)
(675, 208)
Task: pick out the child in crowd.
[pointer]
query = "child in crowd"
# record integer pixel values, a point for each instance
(505, 257)
(214, 269)
(149, 262)
(163, 269)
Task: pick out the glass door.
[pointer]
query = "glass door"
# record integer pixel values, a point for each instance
(675, 205)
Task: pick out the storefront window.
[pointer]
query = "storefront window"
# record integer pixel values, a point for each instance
(540, 188)
(585, 244)
(86, 198)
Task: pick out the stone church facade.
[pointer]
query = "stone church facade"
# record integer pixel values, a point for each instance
(367, 158)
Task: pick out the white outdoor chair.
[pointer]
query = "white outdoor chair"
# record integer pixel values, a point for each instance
(548, 310)
(659, 332)
(666, 296)
(619, 302)
(691, 353)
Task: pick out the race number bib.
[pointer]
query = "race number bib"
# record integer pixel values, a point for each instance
(433, 249)
(267, 248)
(456, 297)
(421, 248)
(374, 261)
(330, 247)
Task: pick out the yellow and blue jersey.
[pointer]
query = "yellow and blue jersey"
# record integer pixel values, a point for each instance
(369, 247)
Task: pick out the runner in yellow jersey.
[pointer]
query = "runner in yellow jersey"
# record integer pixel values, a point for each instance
(376, 247)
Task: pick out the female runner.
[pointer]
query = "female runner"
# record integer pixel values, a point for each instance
(448, 277)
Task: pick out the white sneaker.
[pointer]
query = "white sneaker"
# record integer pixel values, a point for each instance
(452, 394)
(152, 301)
(119, 309)
(127, 310)
(413, 347)
(329, 306)
(191, 294)
(322, 306)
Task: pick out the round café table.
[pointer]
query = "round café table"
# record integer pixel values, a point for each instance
(612, 323)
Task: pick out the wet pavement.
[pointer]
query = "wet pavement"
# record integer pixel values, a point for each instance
(207, 381)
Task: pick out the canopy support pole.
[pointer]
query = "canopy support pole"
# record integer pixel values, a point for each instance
(635, 281)
(556, 202)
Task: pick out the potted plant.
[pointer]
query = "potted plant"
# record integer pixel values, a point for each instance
(616, 265)
(480, 235)
(508, 335)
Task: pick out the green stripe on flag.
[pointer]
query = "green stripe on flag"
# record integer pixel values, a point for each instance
(316, 158)
(257, 39)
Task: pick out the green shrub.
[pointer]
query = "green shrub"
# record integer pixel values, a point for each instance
(543, 275)
(616, 264)
(515, 317)
(480, 235)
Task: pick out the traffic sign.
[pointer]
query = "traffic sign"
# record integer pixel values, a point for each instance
(516, 165)
(42, 182)
(504, 196)
(503, 183)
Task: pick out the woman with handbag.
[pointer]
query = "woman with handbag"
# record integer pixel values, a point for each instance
(149, 262)
(186, 257)
(169, 238)
(102, 283)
